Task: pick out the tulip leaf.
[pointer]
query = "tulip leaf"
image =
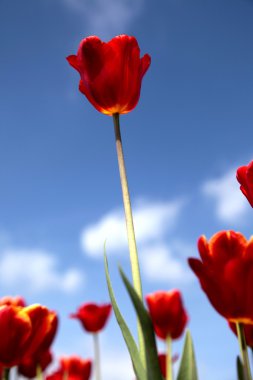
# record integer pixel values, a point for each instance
(153, 368)
(131, 345)
(188, 369)
(240, 369)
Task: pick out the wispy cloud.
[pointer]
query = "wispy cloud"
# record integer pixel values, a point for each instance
(35, 271)
(230, 204)
(152, 221)
(163, 263)
(106, 18)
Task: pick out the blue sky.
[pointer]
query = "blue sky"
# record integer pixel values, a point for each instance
(60, 195)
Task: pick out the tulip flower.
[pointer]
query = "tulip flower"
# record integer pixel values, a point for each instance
(244, 176)
(111, 76)
(44, 327)
(30, 364)
(225, 272)
(167, 313)
(93, 317)
(72, 368)
(15, 331)
(111, 72)
(162, 363)
(169, 320)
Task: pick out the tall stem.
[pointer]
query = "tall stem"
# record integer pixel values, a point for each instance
(243, 349)
(97, 357)
(130, 227)
(169, 369)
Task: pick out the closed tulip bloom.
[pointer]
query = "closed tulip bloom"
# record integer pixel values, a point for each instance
(111, 72)
(167, 313)
(93, 317)
(225, 272)
(244, 176)
(29, 365)
(15, 301)
(72, 368)
(44, 328)
(15, 331)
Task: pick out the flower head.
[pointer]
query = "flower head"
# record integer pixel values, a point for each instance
(225, 272)
(15, 330)
(244, 176)
(167, 313)
(111, 72)
(44, 327)
(93, 317)
(74, 367)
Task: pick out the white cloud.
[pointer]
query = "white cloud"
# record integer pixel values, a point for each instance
(36, 271)
(152, 220)
(230, 204)
(106, 18)
(159, 262)
(116, 365)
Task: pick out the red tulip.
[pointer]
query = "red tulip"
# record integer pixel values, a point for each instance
(225, 272)
(72, 368)
(44, 327)
(111, 72)
(248, 331)
(93, 317)
(167, 313)
(28, 366)
(15, 330)
(14, 301)
(244, 176)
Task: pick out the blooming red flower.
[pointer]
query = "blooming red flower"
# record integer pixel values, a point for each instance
(244, 176)
(111, 73)
(248, 331)
(93, 317)
(44, 327)
(15, 301)
(225, 272)
(25, 332)
(29, 364)
(167, 313)
(15, 330)
(74, 367)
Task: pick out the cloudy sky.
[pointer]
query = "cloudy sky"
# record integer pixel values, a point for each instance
(60, 196)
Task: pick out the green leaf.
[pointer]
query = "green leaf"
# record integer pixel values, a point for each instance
(240, 369)
(153, 368)
(188, 369)
(131, 345)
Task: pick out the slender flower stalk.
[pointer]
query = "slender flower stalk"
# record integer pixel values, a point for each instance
(169, 370)
(39, 374)
(130, 227)
(6, 374)
(97, 356)
(244, 351)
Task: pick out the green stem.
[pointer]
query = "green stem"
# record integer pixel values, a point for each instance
(39, 374)
(130, 228)
(243, 349)
(97, 357)
(169, 369)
